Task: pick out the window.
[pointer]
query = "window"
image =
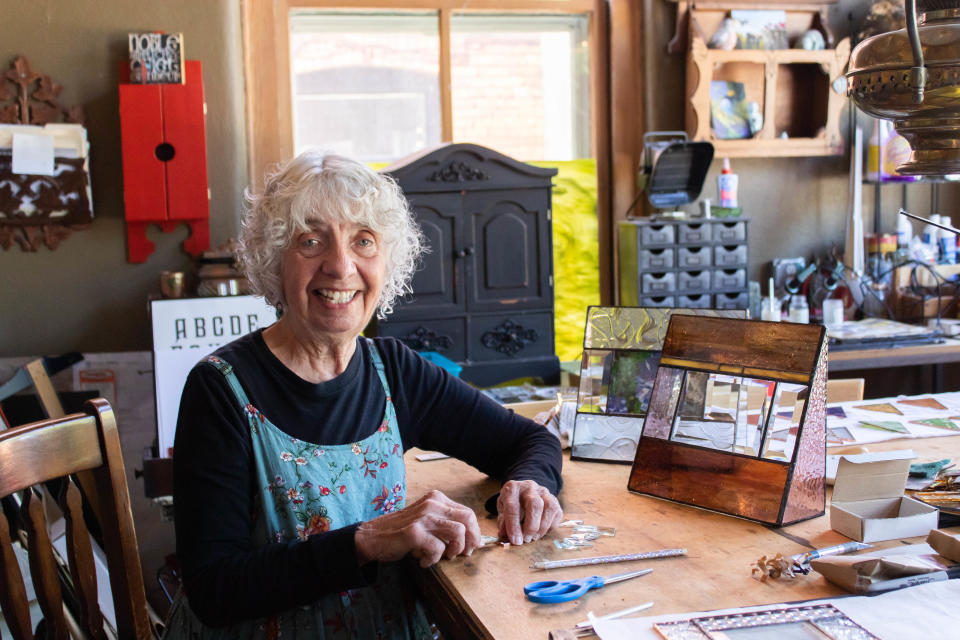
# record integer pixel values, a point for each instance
(368, 84)
(520, 84)
(365, 85)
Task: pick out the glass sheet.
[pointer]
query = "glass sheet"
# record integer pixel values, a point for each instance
(663, 402)
(365, 85)
(594, 381)
(612, 438)
(703, 477)
(789, 402)
(631, 381)
(626, 327)
(638, 327)
(723, 412)
(807, 497)
(521, 83)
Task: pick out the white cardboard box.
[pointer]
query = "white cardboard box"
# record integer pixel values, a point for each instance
(868, 502)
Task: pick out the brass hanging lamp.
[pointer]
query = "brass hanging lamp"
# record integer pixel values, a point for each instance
(912, 77)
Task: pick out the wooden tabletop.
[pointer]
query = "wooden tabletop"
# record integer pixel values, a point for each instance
(907, 355)
(482, 596)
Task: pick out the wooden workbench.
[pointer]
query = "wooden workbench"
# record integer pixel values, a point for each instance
(482, 596)
(885, 357)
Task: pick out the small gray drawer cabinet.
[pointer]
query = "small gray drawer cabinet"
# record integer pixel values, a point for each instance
(693, 263)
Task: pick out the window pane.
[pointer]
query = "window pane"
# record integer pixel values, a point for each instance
(520, 84)
(365, 84)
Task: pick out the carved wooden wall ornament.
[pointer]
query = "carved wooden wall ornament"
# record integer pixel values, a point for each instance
(36, 208)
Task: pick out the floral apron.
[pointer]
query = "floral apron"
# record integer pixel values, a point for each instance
(307, 488)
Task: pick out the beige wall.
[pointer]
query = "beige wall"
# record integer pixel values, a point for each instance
(796, 206)
(85, 296)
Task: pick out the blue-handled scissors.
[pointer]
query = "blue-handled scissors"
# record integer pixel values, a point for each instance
(552, 591)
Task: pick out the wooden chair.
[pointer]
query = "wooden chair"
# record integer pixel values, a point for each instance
(86, 444)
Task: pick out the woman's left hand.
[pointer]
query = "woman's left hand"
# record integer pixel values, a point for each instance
(527, 511)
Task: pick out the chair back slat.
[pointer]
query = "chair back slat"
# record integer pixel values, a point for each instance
(83, 571)
(45, 450)
(13, 595)
(43, 567)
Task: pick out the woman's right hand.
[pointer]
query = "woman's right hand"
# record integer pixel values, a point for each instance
(431, 528)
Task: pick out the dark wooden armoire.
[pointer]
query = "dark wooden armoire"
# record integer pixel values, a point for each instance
(483, 295)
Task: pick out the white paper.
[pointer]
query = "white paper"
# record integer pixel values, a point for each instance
(923, 612)
(69, 140)
(908, 414)
(32, 154)
(186, 330)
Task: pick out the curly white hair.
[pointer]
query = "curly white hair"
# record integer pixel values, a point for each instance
(333, 188)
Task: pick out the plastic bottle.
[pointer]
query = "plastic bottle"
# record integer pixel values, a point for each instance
(770, 306)
(904, 232)
(799, 310)
(770, 310)
(947, 241)
(832, 312)
(727, 185)
(875, 151)
(931, 236)
(931, 232)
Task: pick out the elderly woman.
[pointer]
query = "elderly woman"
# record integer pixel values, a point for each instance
(289, 485)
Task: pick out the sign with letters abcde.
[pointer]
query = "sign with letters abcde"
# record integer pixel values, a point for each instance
(184, 331)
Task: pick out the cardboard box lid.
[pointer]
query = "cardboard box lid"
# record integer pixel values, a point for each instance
(870, 480)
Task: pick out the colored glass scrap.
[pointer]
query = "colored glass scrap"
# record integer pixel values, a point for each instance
(885, 407)
(942, 423)
(884, 425)
(927, 403)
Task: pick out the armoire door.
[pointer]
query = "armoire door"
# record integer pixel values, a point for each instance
(437, 283)
(508, 238)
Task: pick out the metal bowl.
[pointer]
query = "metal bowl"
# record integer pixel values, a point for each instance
(879, 83)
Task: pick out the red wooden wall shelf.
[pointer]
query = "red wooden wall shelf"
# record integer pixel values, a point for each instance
(163, 139)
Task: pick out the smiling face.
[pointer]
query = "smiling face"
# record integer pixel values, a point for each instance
(333, 275)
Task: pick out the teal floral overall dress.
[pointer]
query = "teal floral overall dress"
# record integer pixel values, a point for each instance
(307, 488)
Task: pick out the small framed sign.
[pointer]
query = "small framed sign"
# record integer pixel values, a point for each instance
(184, 331)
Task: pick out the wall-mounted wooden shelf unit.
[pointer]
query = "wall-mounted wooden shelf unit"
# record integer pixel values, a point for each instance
(791, 86)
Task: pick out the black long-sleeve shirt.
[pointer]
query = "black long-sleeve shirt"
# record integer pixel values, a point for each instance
(226, 577)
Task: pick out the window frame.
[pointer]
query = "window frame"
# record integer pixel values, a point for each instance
(267, 58)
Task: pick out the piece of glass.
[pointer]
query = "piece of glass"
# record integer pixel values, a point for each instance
(807, 496)
(663, 402)
(631, 381)
(599, 437)
(594, 381)
(694, 400)
(626, 327)
(365, 84)
(709, 478)
(756, 400)
(638, 327)
(521, 84)
(716, 426)
(789, 402)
